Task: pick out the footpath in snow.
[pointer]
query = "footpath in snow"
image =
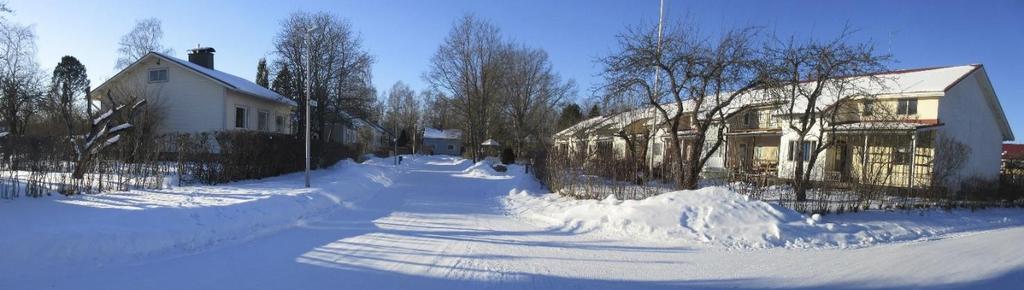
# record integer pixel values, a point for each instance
(446, 223)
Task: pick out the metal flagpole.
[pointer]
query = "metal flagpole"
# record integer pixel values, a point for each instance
(657, 117)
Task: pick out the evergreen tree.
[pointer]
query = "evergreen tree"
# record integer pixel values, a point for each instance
(262, 75)
(284, 84)
(68, 82)
(403, 138)
(571, 114)
(594, 111)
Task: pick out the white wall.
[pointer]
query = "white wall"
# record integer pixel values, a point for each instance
(786, 167)
(234, 99)
(188, 102)
(969, 120)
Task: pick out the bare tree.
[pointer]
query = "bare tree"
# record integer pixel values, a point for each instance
(436, 112)
(466, 69)
(403, 112)
(322, 51)
(144, 37)
(21, 80)
(531, 91)
(696, 84)
(819, 83)
(102, 135)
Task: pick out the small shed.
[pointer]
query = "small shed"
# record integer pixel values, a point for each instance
(444, 142)
(491, 147)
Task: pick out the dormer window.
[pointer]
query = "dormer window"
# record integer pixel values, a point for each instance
(158, 75)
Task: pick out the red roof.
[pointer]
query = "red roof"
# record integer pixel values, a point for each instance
(1013, 151)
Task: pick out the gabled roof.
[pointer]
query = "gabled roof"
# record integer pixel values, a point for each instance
(450, 134)
(227, 80)
(359, 122)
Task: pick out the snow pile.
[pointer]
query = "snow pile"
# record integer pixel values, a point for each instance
(483, 170)
(710, 215)
(721, 217)
(132, 226)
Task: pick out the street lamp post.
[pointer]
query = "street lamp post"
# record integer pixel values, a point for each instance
(309, 94)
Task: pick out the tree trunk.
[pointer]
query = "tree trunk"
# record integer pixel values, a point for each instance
(799, 181)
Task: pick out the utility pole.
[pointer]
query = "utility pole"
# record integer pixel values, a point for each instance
(309, 93)
(657, 117)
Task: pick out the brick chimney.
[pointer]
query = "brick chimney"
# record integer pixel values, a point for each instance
(202, 56)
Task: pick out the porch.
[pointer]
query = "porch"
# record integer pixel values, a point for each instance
(753, 153)
(900, 156)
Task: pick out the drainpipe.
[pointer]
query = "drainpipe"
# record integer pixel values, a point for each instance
(913, 155)
(864, 160)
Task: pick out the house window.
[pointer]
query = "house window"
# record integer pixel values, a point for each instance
(158, 75)
(901, 156)
(656, 149)
(279, 123)
(240, 116)
(263, 120)
(869, 107)
(906, 107)
(805, 152)
(451, 147)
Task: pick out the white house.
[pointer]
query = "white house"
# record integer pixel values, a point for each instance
(446, 142)
(928, 105)
(192, 96)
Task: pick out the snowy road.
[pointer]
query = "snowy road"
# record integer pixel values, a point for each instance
(437, 227)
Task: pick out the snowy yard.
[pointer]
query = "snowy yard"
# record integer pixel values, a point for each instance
(445, 223)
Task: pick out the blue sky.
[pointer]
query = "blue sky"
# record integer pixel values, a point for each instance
(403, 35)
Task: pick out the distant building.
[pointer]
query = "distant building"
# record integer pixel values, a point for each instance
(353, 131)
(445, 142)
(194, 97)
(1013, 159)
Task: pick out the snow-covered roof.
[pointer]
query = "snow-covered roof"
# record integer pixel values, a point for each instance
(876, 126)
(431, 133)
(359, 122)
(490, 142)
(231, 81)
(930, 80)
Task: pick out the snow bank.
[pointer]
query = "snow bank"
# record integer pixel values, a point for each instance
(483, 170)
(131, 226)
(719, 217)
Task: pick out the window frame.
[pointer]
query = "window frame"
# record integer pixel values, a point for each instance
(906, 106)
(807, 146)
(166, 72)
(869, 108)
(264, 124)
(902, 158)
(279, 123)
(245, 117)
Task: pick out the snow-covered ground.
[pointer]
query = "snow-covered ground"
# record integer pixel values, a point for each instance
(445, 223)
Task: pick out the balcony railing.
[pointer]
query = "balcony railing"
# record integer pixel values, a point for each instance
(751, 120)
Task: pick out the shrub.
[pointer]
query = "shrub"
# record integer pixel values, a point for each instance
(507, 156)
(232, 156)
